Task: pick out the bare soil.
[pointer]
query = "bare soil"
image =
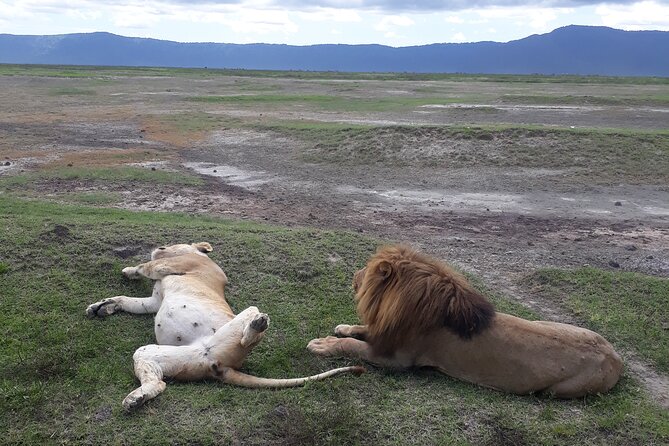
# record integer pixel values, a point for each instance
(499, 223)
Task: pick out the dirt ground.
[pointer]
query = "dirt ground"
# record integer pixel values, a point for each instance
(499, 223)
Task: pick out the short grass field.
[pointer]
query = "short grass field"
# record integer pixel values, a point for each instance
(63, 376)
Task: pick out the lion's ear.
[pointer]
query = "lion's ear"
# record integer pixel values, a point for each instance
(384, 269)
(203, 247)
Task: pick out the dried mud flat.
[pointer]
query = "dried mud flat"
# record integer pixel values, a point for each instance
(497, 222)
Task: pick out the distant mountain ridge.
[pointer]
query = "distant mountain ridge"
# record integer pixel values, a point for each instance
(585, 50)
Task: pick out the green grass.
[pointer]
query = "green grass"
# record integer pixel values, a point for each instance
(74, 71)
(94, 198)
(102, 174)
(656, 100)
(599, 156)
(62, 376)
(630, 309)
(325, 102)
(71, 91)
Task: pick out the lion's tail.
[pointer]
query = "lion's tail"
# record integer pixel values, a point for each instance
(238, 378)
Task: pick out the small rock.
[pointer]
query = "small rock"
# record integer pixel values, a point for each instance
(215, 170)
(650, 257)
(530, 244)
(153, 168)
(631, 248)
(617, 203)
(7, 163)
(69, 164)
(614, 264)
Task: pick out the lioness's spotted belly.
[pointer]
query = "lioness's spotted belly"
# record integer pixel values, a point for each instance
(181, 321)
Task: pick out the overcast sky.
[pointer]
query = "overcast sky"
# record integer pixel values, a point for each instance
(301, 22)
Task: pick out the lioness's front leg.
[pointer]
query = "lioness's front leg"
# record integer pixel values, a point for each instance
(351, 331)
(135, 305)
(155, 269)
(350, 348)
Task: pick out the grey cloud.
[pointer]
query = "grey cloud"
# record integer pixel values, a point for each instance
(417, 6)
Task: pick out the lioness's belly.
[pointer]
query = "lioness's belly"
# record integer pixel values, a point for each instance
(182, 320)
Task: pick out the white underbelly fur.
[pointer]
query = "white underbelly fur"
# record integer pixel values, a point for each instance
(181, 320)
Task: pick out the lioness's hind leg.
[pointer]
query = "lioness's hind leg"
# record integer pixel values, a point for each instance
(150, 375)
(255, 330)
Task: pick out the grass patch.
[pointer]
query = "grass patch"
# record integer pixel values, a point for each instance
(335, 103)
(62, 376)
(594, 155)
(102, 174)
(87, 71)
(71, 91)
(657, 100)
(629, 309)
(94, 198)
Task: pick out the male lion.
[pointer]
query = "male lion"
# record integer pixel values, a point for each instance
(418, 312)
(199, 335)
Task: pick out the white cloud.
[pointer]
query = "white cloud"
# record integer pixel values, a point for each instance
(458, 38)
(390, 22)
(638, 16)
(330, 15)
(536, 18)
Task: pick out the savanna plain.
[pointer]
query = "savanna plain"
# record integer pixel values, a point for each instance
(550, 193)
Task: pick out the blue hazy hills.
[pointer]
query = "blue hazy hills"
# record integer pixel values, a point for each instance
(588, 50)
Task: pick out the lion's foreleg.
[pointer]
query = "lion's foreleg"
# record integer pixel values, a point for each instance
(135, 305)
(351, 331)
(350, 348)
(155, 269)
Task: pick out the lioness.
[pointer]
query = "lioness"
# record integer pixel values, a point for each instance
(418, 312)
(199, 335)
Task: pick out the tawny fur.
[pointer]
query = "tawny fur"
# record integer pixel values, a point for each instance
(198, 334)
(418, 312)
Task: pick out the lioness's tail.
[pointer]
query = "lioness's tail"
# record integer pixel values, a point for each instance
(233, 376)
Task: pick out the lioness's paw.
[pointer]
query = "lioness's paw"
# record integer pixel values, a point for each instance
(102, 308)
(343, 330)
(260, 322)
(130, 272)
(323, 346)
(133, 400)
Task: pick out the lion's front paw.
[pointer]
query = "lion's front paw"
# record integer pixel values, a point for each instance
(130, 272)
(102, 308)
(324, 346)
(343, 330)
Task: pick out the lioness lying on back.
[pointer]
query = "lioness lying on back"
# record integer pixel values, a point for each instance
(420, 313)
(199, 335)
